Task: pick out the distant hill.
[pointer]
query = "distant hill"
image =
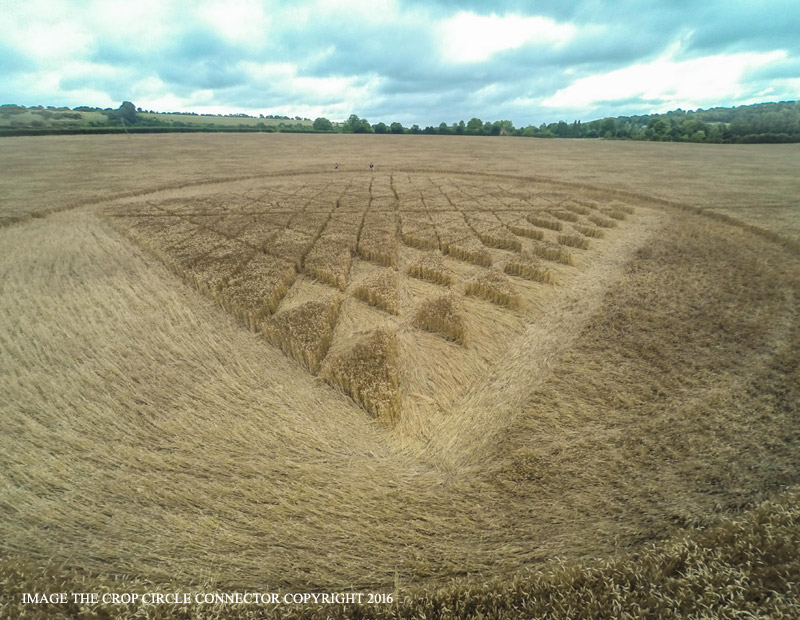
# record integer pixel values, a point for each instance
(761, 122)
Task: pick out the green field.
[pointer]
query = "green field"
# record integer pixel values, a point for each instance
(225, 121)
(18, 118)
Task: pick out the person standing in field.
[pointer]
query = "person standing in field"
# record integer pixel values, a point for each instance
(371, 167)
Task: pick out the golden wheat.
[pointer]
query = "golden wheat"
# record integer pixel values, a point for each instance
(441, 315)
(343, 228)
(420, 238)
(311, 223)
(578, 208)
(500, 238)
(379, 291)
(495, 287)
(551, 253)
(260, 234)
(181, 245)
(329, 262)
(602, 222)
(430, 266)
(305, 331)
(524, 231)
(530, 271)
(565, 216)
(591, 204)
(590, 231)
(232, 226)
(453, 232)
(214, 270)
(737, 567)
(279, 454)
(290, 245)
(470, 251)
(544, 223)
(574, 241)
(367, 372)
(378, 246)
(257, 289)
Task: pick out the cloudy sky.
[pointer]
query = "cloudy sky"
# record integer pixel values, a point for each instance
(411, 61)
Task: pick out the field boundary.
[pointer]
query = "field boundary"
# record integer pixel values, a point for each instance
(599, 191)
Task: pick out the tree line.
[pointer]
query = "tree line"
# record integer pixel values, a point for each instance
(762, 122)
(475, 127)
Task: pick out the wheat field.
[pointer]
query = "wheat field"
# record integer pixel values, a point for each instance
(246, 368)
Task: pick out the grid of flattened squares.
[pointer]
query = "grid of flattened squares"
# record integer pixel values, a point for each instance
(248, 256)
(246, 250)
(468, 221)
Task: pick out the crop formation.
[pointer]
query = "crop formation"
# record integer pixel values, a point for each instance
(346, 272)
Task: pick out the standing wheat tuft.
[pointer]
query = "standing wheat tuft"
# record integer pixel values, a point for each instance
(379, 291)
(552, 253)
(495, 287)
(431, 267)
(530, 271)
(524, 231)
(574, 241)
(304, 332)
(367, 372)
(441, 316)
(542, 222)
(590, 231)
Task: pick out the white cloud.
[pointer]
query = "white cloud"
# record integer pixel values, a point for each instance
(363, 11)
(268, 71)
(46, 41)
(384, 59)
(286, 76)
(144, 24)
(239, 21)
(670, 83)
(467, 37)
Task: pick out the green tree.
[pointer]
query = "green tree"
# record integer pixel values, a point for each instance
(475, 127)
(352, 122)
(323, 124)
(609, 128)
(396, 128)
(508, 126)
(380, 128)
(443, 129)
(714, 133)
(363, 127)
(357, 125)
(659, 127)
(127, 112)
